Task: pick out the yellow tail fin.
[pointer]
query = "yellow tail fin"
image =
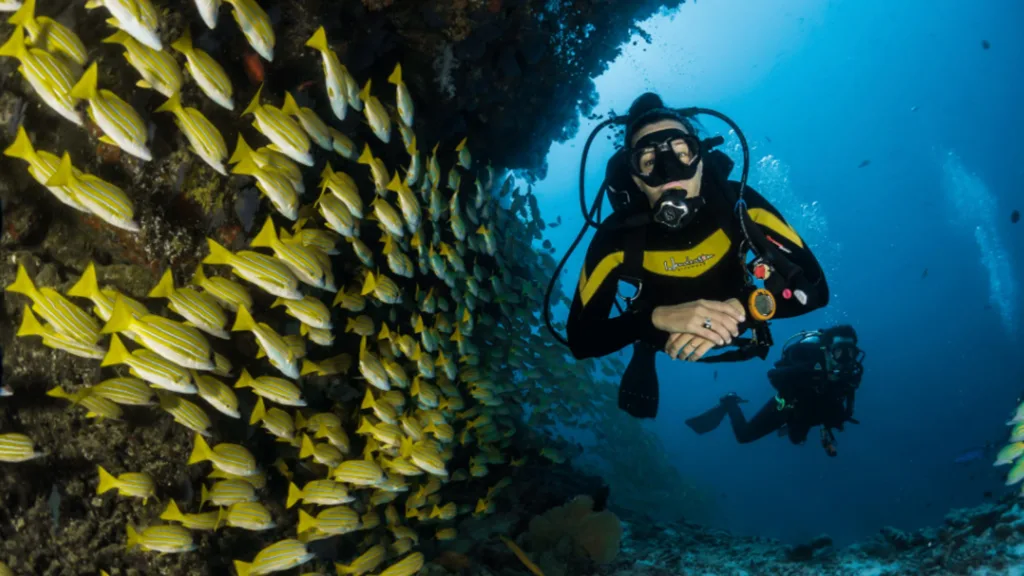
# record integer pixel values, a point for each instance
(164, 288)
(259, 412)
(64, 175)
(366, 157)
(25, 16)
(244, 321)
(306, 522)
(218, 254)
(242, 151)
(267, 238)
(291, 107)
(117, 354)
(183, 44)
(107, 481)
(172, 105)
(307, 450)
(87, 286)
(309, 367)
(30, 325)
(22, 147)
(294, 494)
(368, 399)
(243, 568)
(120, 318)
(364, 94)
(396, 183)
(172, 513)
(247, 166)
(204, 496)
(255, 103)
(199, 278)
(201, 451)
(318, 41)
(369, 284)
(133, 537)
(15, 45)
(245, 380)
(325, 175)
(396, 75)
(86, 86)
(119, 37)
(412, 147)
(260, 352)
(461, 145)
(23, 285)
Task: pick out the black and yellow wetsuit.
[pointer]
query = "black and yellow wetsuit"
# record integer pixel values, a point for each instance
(700, 261)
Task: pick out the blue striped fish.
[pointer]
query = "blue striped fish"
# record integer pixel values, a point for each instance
(197, 307)
(50, 77)
(311, 123)
(16, 447)
(216, 394)
(402, 97)
(319, 493)
(334, 73)
(121, 124)
(228, 293)
(30, 326)
(275, 184)
(276, 347)
(337, 215)
(101, 198)
(186, 413)
(159, 70)
(264, 271)
(136, 17)
(300, 260)
(231, 459)
(207, 142)
(342, 144)
(285, 133)
(228, 492)
(150, 367)
(133, 484)
(343, 187)
(378, 172)
(255, 25)
(252, 516)
(203, 521)
(126, 391)
(277, 557)
(103, 300)
(376, 115)
(64, 316)
(41, 166)
(49, 34)
(272, 388)
(207, 72)
(310, 311)
(166, 539)
(177, 342)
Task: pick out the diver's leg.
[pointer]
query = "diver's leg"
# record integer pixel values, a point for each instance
(767, 420)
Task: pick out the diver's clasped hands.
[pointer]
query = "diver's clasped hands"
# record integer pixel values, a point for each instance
(697, 327)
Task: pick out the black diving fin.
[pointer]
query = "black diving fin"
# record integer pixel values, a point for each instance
(638, 389)
(707, 421)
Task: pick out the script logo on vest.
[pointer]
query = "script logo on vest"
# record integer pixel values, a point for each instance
(671, 265)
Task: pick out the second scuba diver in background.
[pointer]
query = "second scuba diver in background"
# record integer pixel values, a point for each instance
(816, 380)
(681, 234)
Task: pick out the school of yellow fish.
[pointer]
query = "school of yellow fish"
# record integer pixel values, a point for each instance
(439, 373)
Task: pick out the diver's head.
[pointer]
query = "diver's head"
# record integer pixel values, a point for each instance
(664, 151)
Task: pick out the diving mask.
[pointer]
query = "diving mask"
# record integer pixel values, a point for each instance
(668, 155)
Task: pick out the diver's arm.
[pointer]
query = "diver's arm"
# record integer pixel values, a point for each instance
(590, 331)
(791, 247)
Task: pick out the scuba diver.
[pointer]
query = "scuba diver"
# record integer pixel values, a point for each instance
(815, 380)
(680, 235)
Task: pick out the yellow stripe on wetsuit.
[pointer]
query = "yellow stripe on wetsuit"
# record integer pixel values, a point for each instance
(689, 263)
(774, 223)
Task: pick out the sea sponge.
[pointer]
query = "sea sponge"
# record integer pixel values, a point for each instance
(594, 535)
